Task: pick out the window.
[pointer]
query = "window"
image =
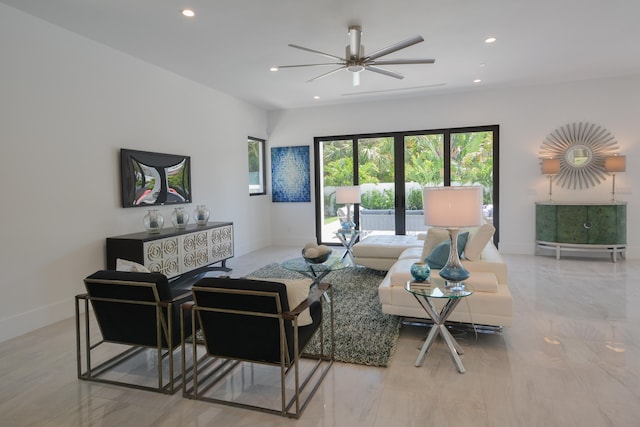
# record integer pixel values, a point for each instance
(257, 173)
(391, 169)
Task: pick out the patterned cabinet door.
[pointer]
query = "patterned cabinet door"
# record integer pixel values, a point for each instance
(546, 223)
(573, 225)
(162, 256)
(195, 252)
(221, 243)
(607, 224)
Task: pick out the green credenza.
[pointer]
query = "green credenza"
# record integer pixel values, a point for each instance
(582, 227)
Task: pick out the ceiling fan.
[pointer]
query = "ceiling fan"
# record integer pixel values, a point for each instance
(356, 61)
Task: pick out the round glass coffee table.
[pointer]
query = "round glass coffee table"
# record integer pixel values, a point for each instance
(317, 272)
(425, 292)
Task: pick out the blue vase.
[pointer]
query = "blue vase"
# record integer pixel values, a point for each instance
(420, 271)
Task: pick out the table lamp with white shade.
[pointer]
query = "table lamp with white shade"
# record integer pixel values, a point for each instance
(348, 195)
(615, 164)
(453, 208)
(550, 168)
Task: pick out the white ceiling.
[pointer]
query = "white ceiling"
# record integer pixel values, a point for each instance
(231, 44)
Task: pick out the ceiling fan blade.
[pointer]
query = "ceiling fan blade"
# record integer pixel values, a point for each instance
(326, 74)
(384, 71)
(393, 48)
(355, 36)
(328, 55)
(403, 61)
(311, 65)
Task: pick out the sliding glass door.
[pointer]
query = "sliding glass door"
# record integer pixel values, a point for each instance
(472, 163)
(423, 166)
(391, 170)
(335, 167)
(377, 177)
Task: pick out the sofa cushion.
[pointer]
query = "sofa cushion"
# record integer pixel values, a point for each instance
(400, 272)
(431, 240)
(384, 246)
(412, 253)
(478, 239)
(440, 254)
(482, 282)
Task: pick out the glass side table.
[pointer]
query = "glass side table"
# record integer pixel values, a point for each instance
(425, 292)
(317, 271)
(348, 238)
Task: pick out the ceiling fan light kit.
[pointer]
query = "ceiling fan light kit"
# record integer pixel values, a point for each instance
(355, 60)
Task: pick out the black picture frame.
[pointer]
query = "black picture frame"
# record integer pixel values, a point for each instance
(154, 179)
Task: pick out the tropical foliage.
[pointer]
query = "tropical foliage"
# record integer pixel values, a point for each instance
(254, 155)
(471, 162)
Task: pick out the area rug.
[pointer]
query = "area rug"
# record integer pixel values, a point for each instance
(363, 334)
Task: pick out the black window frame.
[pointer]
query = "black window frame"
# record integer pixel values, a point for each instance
(263, 165)
(399, 166)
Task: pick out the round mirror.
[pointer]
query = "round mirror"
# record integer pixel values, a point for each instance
(578, 156)
(581, 148)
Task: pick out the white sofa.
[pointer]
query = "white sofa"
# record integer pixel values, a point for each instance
(491, 303)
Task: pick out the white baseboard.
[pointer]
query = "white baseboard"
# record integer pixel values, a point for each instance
(516, 249)
(11, 327)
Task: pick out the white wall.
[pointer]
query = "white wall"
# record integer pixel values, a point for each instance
(525, 115)
(67, 105)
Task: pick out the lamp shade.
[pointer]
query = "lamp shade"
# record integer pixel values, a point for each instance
(453, 206)
(348, 194)
(615, 163)
(550, 166)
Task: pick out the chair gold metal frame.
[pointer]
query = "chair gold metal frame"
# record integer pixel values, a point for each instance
(246, 322)
(135, 310)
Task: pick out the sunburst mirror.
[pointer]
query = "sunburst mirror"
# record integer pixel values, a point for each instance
(581, 148)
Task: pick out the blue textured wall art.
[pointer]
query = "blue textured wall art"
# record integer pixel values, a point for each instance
(290, 180)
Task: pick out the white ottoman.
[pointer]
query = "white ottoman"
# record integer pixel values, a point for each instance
(380, 252)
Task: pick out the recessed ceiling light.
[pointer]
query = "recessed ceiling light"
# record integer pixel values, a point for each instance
(189, 13)
(316, 97)
(477, 81)
(273, 69)
(490, 40)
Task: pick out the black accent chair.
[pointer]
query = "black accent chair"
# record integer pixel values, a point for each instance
(141, 313)
(246, 324)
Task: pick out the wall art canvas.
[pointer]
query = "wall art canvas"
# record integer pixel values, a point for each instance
(290, 180)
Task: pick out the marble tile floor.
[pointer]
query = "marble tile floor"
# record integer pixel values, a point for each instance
(572, 358)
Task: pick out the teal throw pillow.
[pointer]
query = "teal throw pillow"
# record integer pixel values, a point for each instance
(440, 254)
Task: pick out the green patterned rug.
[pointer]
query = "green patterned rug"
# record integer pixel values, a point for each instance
(363, 334)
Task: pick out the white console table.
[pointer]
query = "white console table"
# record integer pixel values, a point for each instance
(173, 252)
